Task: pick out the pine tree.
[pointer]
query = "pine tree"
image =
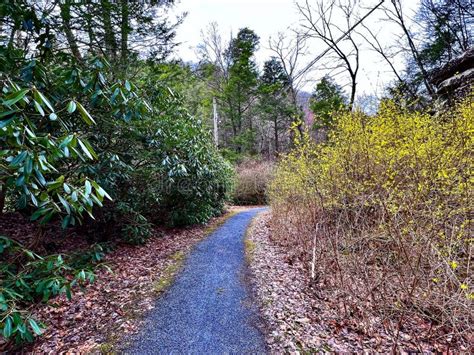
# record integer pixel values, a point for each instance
(327, 98)
(240, 89)
(274, 100)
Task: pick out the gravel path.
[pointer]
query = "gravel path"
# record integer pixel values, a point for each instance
(208, 309)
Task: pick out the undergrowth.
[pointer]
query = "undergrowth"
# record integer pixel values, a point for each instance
(27, 278)
(252, 178)
(382, 214)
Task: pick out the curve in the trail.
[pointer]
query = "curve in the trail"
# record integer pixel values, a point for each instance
(208, 309)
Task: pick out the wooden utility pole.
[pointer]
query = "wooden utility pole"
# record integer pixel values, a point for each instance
(216, 119)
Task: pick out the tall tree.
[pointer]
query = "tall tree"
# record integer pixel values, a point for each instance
(65, 12)
(319, 24)
(396, 14)
(240, 89)
(115, 29)
(275, 100)
(448, 29)
(289, 52)
(388, 53)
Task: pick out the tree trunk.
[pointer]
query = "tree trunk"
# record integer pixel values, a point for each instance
(296, 118)
(277, 144)
(90, 30)
(215, 120)
(353, 92)
(125, 30)
(414, 51)
(12, 36)
(65, 10)
(109, 38)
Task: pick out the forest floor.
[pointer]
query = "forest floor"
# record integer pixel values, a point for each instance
(104, 313)
(300, 317)
(218, 288)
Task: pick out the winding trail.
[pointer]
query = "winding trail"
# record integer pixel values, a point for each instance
(208, 309)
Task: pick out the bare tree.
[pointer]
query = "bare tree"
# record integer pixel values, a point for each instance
(290, 51)
(395, 13)
(319, 24)
(372, 38)
(212, 50)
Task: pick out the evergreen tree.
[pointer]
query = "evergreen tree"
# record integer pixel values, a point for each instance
(118, 30)
(327, 98)
(448, 29)
(274, 100)
(240, 89)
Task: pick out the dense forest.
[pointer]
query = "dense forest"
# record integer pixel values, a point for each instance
(107, 138)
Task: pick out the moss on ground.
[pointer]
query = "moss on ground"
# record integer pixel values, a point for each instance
(169, 273)
(249, 249)
(249, 245)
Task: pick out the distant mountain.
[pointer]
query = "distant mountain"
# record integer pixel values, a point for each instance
(303, 101)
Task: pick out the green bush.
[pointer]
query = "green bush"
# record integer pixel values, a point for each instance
(83, 144)
(26, 277)
(196, 180)
(43, 133)
(164, 165)
(136, 229)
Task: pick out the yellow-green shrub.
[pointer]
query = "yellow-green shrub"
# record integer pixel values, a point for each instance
(382, 213)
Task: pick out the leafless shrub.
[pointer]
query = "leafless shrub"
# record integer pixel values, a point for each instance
(251, 182)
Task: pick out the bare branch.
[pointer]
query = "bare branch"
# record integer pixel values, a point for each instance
(318, 24)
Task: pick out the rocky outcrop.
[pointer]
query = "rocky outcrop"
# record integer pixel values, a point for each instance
(456, 78)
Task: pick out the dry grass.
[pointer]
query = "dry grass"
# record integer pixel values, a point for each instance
(251, 182)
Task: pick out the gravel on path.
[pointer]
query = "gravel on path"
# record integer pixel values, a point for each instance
(208, 309)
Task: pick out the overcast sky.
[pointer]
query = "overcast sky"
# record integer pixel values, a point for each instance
(268, 17)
